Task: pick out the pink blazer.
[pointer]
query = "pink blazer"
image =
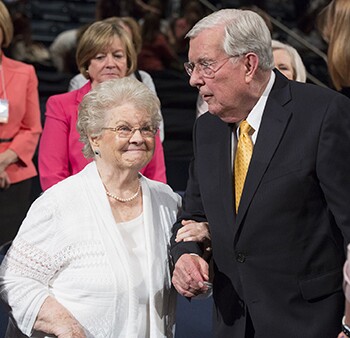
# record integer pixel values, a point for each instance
(60, 151)
(24, 127)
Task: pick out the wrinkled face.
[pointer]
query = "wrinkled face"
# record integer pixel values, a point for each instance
(226, 92)
(283, 62)
(110, 63)
(132, 152)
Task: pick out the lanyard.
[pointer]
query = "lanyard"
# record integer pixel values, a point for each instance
(3, 81)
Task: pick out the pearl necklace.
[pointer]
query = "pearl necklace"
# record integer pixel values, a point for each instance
(124, 200)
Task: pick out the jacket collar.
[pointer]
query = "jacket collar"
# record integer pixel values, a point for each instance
(81, 92)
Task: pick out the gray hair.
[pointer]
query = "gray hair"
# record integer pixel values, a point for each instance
(94, 108)
(245, 31)
(297, 63)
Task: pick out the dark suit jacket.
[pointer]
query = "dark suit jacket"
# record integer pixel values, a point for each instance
(281, 256)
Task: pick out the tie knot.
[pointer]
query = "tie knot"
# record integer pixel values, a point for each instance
(245, 128)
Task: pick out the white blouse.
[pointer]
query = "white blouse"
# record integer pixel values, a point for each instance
(133, 234)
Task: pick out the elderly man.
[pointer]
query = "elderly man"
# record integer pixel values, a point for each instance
(271, 177)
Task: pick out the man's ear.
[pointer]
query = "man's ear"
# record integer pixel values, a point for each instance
(251, 63)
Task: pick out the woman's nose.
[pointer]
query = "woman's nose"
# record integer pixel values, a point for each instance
(110, 62)
(136, 137)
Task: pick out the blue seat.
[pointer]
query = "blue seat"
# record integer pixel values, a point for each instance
(194, 318)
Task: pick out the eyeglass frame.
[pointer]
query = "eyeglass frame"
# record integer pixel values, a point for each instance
(132, 131)
(190, 66)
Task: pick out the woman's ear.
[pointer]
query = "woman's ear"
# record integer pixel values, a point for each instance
(94, 141)
(95, 145)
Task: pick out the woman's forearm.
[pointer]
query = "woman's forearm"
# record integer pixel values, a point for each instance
(54, 318)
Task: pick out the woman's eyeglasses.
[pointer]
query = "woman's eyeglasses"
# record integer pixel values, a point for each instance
(127, 132)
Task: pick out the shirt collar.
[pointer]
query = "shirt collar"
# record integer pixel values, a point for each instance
(255, 115)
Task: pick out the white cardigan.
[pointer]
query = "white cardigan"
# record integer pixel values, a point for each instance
(69, 247)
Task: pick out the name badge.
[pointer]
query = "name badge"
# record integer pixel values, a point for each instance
(4, 111)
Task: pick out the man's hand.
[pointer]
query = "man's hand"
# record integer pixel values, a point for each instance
(191, 271)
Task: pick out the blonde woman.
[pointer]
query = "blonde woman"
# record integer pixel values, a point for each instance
(334, 25)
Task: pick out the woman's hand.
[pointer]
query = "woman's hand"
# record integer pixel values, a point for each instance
(6, 158)
(4, 180)
(54, 318)
(193, 231)
(74, 331)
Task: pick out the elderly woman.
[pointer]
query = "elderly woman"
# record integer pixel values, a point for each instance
(104, 52)
(288, 61)
(91, 258)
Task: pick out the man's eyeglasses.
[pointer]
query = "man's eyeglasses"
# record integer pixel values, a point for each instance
(127, 132)
(206, 68)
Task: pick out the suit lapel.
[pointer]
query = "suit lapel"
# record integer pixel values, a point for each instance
(216, 168)
(274, 122)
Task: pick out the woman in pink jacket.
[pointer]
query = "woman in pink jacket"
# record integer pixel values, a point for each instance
(104, 52)
(20, 128)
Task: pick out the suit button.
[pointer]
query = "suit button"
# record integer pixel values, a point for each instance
(240, 257)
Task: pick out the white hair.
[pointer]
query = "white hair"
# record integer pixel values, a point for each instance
(93, 109)
(297, 63)
(245, 31)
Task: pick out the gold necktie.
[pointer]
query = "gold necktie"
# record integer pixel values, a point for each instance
(244, 153)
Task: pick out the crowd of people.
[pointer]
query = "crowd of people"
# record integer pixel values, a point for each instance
(264, 221)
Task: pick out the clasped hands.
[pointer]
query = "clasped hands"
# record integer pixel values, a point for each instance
(191, 272)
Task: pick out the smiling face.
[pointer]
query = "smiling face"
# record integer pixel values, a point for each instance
(126, 153)
(110, 63)
(226, 93)
(283, 62)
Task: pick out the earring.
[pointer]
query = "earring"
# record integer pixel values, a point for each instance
(97, 152)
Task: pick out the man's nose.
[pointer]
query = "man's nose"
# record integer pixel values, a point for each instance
(196, 79)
